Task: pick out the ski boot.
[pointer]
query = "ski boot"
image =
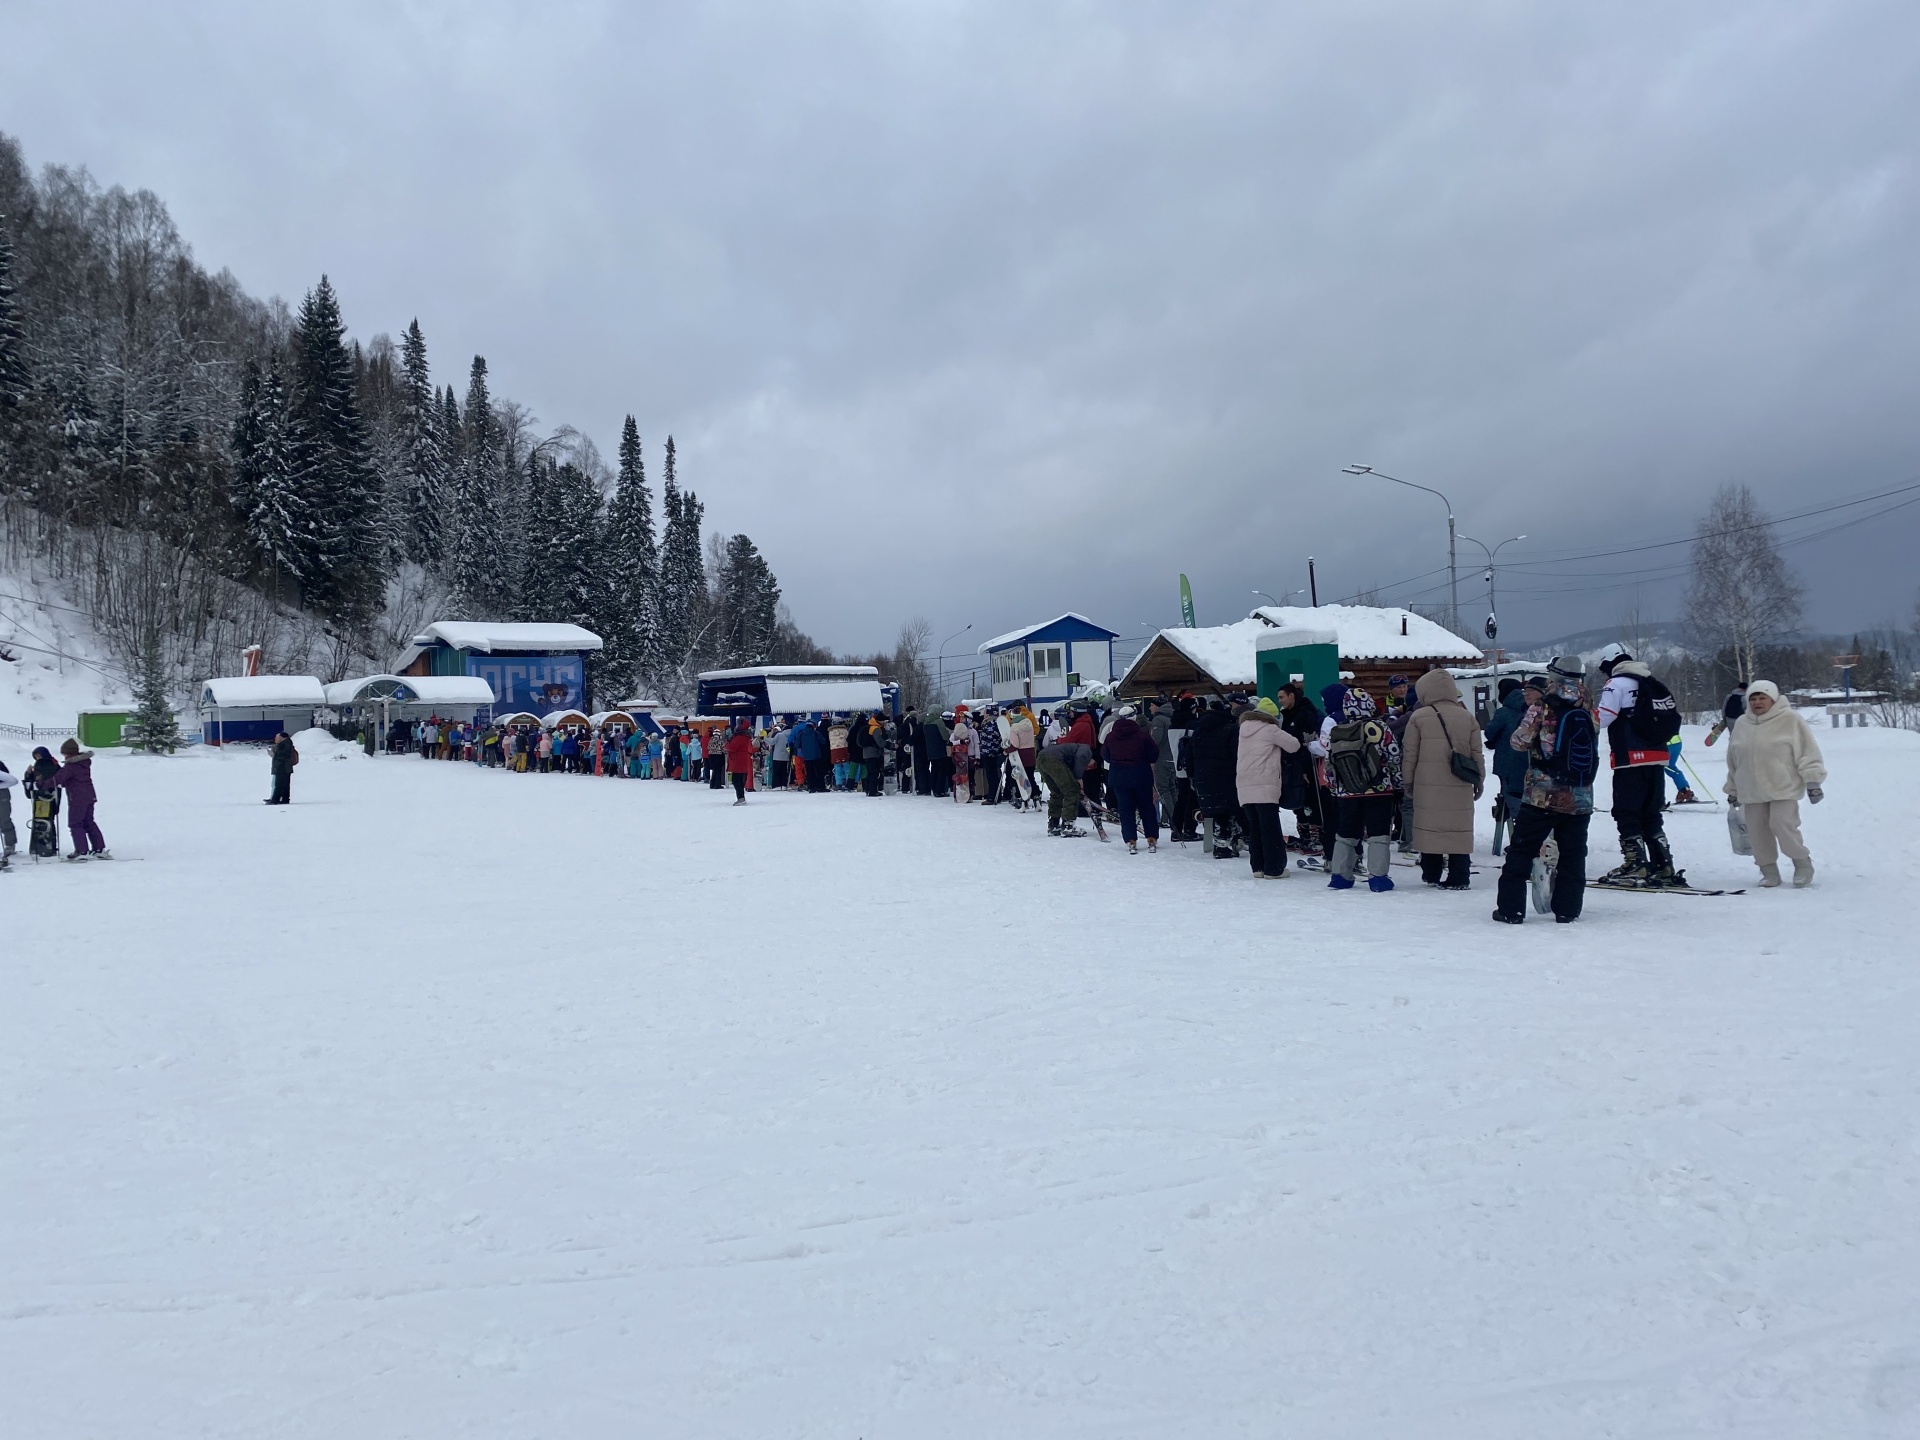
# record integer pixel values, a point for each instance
(1660, 872)
(1634, 868)
(1685, 797)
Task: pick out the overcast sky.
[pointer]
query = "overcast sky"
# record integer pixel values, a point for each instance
(986, 311)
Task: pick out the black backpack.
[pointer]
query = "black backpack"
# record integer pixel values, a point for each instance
(1655, 715)
(1576, 747)
(1357, 755)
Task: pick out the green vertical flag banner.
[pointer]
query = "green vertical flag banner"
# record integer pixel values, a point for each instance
(1186, 604)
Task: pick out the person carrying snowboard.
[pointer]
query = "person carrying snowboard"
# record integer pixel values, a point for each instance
(1640, 717)
(285, 757)
(43, 804)
(1734, 707)
(1562, 747)
(75, 776)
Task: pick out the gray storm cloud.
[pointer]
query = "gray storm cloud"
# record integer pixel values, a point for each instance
(990, 311)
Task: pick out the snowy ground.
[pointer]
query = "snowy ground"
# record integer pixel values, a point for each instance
(448, 1103)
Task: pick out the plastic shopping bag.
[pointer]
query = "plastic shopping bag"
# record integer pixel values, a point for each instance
(1737, 830)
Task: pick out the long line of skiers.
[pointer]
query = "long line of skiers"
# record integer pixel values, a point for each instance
(1361, 778)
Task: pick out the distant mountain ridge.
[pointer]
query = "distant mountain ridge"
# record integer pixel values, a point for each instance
(1655, 639)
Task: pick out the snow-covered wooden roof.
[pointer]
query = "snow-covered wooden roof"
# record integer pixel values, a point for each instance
(263, 692)
(489, 636)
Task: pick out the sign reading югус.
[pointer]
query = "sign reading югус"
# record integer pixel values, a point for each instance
(536, 683)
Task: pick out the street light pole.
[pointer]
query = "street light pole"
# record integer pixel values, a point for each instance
(1453, 569)
(1493, 607)
(940, 663)
(1280, 604)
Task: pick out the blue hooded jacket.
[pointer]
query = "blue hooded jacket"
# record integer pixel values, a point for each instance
(1508, 763)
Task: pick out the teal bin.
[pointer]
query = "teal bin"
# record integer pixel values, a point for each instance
(1313, 655)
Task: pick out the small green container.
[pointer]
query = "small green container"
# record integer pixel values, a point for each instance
(101, 728)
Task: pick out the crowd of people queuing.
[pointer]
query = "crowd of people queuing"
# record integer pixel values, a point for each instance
(1362, 779)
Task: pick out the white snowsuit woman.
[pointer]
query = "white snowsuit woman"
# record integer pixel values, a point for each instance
(1773, 760)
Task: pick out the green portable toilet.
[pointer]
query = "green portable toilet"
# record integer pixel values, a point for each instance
(99, 728)
(1285, 652)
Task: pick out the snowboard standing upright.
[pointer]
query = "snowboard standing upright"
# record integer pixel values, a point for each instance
(43, 838)
(1022, 786)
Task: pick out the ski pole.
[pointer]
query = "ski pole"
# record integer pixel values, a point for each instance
(1705, 789)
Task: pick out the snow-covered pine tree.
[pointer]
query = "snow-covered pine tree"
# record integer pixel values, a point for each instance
(333, 466)
(425, 457)
(273, 515)
(683, 576)
(159, 726)
(580, 550)
(15, 378)
(629, 573)
(749, 604)
(452, 438)
(477, 580)
(543, 587)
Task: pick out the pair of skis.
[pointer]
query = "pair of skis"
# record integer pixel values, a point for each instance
(1544, 865)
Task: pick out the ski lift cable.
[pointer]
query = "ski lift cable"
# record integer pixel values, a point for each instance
(1660, 573)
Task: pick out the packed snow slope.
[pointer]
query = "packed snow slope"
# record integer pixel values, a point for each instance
(60, 666)
(450, 1103)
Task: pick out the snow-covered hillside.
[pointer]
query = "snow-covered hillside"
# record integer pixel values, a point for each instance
(60, 667)
(457, 1103)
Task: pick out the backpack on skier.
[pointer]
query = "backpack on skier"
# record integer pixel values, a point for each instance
(1575, 760)
(1357, 756)
(1654, 716)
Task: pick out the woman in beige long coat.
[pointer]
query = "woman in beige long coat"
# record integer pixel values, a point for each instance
(1772, 760)
(1442, 802)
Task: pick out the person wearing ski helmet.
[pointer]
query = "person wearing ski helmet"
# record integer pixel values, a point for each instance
(1639, 762)
(1557, 736)
(1061, 766)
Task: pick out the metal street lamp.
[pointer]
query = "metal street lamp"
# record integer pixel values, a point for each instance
(940, 663)
(1453, 571)
(1493, 556)
(1280, 604)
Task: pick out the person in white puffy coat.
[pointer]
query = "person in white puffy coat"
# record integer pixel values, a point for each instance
(1772, 761)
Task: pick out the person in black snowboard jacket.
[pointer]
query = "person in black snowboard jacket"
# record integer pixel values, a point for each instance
(285, 757)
